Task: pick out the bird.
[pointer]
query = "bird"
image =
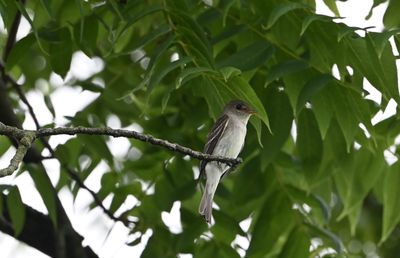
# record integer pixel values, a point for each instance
(226, 138)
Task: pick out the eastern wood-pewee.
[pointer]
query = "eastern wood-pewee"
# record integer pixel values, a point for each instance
(226, 138)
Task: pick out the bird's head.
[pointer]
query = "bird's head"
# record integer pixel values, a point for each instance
(239, 108)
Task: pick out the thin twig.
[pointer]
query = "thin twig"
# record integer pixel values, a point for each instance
(26, 137)
(43, 132)
(139, 136)
(96, 198)
(12, 34)
(23, 145)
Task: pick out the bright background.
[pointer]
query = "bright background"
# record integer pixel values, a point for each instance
(105, 237)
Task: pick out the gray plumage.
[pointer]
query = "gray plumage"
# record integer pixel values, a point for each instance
(226, 138)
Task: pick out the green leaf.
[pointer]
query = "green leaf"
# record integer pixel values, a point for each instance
(116, 8)
(282, 9)
(280, 115)
(310, 89)
(354, 216)
(391, 201)
(284, 68)
(297, 245)
(228, 72)
(24, 13)
(380, 72)
(193, 38)
(109, 181)
(165, 194)
(49, 105)
(249, 57)
(218, 92)
(384, 65)
(310, 19)
(96, 147)
(227, 7)
(46, 191)
(4, 145)
(226, 228)
(272, 227)
(391, 19)
(345, 114)
(309, 142)
(86, 34)
(146, 39)
(162, 70)
(251, 180)
(1, 204)
(19, 50)
(46, 6)
(330, 237)
(332, 6)
(381, 40)
(356, 176)
(90, 86)
(61, 53)
(16, 210)
(8, 10)
(136, 16)
(335, 143)
(190, 73)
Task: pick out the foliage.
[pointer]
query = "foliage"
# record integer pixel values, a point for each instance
(170, 66)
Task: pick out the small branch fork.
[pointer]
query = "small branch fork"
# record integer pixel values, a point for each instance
(26, 137)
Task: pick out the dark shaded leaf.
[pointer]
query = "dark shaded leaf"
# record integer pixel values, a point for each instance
(16, 210)
(281, 10)
(281, 118)
(272, 227)
(249, 57)
(297, 245)
(46, 191)
(61, 53)
(391, 201)
(309, 142)
(19, 50)
(284, 68)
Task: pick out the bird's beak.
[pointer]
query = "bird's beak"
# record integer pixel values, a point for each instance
(252, 112)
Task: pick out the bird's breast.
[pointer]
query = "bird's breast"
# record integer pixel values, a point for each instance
(232, 141)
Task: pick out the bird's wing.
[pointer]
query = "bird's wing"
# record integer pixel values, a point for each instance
(213, 138)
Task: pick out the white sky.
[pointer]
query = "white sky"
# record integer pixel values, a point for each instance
(94, 223)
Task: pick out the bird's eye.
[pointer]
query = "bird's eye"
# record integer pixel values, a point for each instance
(239, 106)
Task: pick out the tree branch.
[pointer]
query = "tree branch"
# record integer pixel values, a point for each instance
(65, 239)
(23, 145)
(40, 233)
(11, 131)
(40, 133)
(12, 34)
(72, 174)
(138, 136)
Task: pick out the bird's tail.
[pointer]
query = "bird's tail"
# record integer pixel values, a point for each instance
(205, 207)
